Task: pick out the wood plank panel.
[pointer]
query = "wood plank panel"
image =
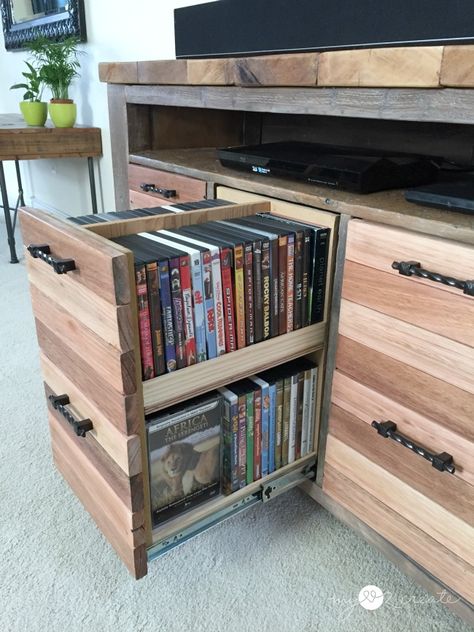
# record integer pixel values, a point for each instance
(444, 359)
(437, 559)
(436, 502)
(187, 189)
(397, 67)
(377, 246)
(118, 72)
(101, 267)
(124, 450)
(20, 142)
(111, 323)
(415, 389)
(210, 72)
(117, 367)
(175, 220)
(367, 404)
(295, 69)
(457, 68)
(114, 501)
(143, 200)
(168, 389)
(163, 71)
(425, 306)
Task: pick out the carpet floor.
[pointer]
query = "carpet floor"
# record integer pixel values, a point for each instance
(286, 566)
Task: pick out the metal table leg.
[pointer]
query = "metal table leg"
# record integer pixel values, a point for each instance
(8, 219)
(20, 199)
(90, 162)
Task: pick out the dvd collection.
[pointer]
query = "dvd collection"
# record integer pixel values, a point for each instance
(221, 442)
(208, 289)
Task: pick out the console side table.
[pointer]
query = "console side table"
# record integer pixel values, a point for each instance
(20, 142)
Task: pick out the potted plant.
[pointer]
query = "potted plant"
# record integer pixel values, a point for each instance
(58, 66)
(33, 109)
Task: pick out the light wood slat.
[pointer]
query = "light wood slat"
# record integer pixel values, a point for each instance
(174, 220)
(445, 359)
(111, 499)
(210, 72)
(124, 450)
(377, 246)
(295, 69)
(397, 67)
(121, 410)
(367, 405)
(415, 389)
(425, 306)
(436, 502)
(187, 189)
(111, 323)
(142, 200)
(117, 367)
(457, 68)
(169, 389)
(437, 559)
(163, 71)
(118, 72)
(101, 268)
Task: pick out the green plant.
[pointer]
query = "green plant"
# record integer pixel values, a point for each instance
(57, 63)
(33, 84)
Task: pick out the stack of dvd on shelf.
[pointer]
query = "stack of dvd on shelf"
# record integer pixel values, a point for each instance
(268, 422)
(209, 289)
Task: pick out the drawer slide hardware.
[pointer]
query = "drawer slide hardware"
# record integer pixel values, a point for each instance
(442, 462)
(274, 488)
(59, 403)
(409, 268)
(43, 251)
(152, 188)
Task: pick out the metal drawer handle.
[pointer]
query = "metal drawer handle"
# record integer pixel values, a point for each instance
(408, 268)
(442, 462)
(43, 251)
(166, 193)
(59, 403)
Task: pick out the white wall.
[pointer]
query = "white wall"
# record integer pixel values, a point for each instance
(116, 31)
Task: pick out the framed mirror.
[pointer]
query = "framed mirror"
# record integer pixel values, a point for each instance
(25, 20)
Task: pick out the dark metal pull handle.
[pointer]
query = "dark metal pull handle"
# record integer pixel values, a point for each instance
(80, 426)
(166, 193)
(43, 251)
(442, 462)
(408, 268)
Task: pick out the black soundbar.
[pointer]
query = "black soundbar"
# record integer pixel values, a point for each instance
(246, 27)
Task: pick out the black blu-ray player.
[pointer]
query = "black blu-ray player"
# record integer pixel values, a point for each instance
(350, 169)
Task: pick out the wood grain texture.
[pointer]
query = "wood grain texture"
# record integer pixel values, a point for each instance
(124, 450)
(163, 71)
(116, 367)
(174, 220)
(369, 405)
(296, 69)
(142, 200)
(423, 305)
(118, 72)
(110, 322)
(187, 189)
(118, 121)
(426, 551)
(168, 389)
(457, 68)
(435, 502)
(379, 246)
(418, 67)
(114, 501)
(100, 266)
(444, 359)
(422, 393)
(210, 72)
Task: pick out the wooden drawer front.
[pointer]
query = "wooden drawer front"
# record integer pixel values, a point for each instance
(439, 505)
(114, 500)
(187, 189)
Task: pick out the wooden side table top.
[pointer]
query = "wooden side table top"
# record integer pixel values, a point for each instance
(18, 141)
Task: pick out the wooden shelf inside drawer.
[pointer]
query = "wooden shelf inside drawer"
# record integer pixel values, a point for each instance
(172, 388)
(211, 507)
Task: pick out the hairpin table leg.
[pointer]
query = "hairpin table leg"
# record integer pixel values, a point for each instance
(90, 162)
(8, 219)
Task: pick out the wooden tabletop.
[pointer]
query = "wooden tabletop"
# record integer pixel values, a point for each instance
(18, 141)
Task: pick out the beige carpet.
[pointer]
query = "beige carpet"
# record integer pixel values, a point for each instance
(287, 566)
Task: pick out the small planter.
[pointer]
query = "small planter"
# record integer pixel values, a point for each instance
(62, 112)
(34, 112)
